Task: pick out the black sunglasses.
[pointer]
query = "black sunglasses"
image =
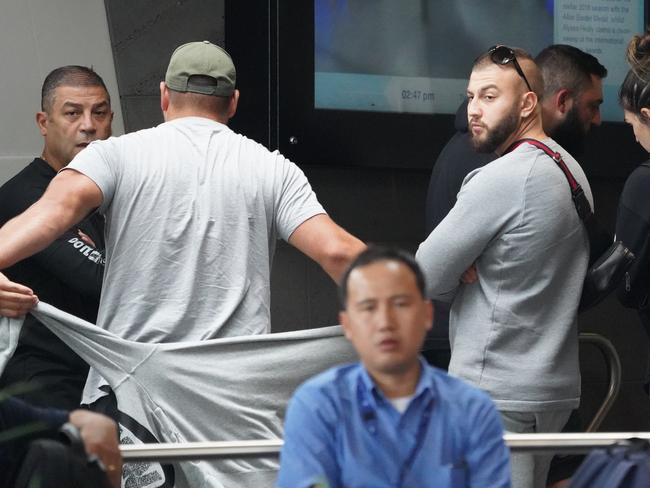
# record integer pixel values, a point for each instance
(503, 55)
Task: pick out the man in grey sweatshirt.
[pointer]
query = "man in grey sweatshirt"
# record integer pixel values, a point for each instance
(511, 256)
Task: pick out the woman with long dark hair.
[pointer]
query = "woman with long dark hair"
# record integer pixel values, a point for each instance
(633, 219)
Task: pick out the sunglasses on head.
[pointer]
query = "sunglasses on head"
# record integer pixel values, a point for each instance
(503, 55)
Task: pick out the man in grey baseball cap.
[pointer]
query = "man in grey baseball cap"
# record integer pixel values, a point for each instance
(193, 211)
(212, 64)
(200, 79)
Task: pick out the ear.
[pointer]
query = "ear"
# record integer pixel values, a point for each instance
(563, 100)
(41, 121)
(345, 324)
(429, 315)
(645, 115)
(528, 104)
(232, 106)
(164, 97)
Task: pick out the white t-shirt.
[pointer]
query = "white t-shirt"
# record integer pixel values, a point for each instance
(401, 403)
(192, 211)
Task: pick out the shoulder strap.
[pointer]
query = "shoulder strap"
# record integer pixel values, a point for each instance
(577, 193)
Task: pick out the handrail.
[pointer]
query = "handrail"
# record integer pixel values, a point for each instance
(613, 362)
(568, 443)
(201, 450)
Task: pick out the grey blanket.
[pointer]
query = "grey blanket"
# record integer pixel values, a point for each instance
(221, 389)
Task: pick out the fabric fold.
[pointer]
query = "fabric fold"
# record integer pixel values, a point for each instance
(235, 388)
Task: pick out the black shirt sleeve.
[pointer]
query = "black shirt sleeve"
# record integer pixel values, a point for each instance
(633, 228)
(20, 423)
(67, 260)
(456, 160)
(78, 265)
(16, 413)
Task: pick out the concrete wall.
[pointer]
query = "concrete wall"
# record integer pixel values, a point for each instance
(143, 37)
(37, 36)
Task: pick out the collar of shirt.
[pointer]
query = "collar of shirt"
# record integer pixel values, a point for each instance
(371, 397)
(398, 436)
(195, 120)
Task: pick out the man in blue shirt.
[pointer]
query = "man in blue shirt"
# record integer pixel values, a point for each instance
(390, 420)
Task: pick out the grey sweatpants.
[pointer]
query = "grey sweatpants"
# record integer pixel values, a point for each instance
(531, 470)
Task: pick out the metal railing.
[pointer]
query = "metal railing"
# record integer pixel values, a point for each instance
(201, 450)
(569, 443)
(564, 443)
(555, 443)
(613, 363)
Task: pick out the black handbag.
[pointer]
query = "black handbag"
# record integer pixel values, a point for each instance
(605, 274)
(608, 259)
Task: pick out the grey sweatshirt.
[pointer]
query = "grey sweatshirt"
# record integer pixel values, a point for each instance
(514, 332)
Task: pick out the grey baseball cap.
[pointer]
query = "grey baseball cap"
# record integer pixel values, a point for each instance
(201, 58)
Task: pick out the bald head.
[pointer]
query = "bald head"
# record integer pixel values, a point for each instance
(501, 106)
(531, 74)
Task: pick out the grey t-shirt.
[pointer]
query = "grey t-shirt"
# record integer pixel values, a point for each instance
(514, 332)
(229, 389)
(192, 211)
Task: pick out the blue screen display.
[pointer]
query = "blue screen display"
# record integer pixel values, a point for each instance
(414, 56)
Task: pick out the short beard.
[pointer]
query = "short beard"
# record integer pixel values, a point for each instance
(498, 135)
(570, 134)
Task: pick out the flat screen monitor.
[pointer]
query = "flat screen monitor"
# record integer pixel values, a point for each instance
(414, 55)
(376, 82)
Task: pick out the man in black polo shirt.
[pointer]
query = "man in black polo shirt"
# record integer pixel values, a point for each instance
(75, 110)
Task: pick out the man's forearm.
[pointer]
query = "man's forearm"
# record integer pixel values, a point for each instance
(33, 230)
(68, 199)
(440, 267)
(333, 248)
(337, 261)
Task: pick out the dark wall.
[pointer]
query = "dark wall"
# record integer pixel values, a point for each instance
(143, 36)
(377, 204)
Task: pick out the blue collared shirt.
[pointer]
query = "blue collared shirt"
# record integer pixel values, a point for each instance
(340, 429)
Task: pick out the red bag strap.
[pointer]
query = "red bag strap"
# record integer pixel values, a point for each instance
(577, 193)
